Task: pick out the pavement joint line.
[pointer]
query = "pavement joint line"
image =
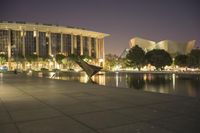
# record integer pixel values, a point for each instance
(25, 121)
(10, 117)
(59, 111)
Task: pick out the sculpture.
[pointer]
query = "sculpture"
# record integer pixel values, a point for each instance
(88, 68)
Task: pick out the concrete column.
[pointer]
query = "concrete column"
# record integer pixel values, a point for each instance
(72, 44)
(37, 42)
(81, 44)
(89, 46)
(49, 36)
(61, 45)
(9, 44)
(97, 48)
(23, 33)
(103, 49)
(75, 44)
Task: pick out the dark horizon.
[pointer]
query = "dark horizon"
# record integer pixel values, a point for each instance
(155, 20)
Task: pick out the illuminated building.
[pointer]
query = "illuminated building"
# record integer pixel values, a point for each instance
(145, 44)
(24, 39)
(169, 46)
(124, 53)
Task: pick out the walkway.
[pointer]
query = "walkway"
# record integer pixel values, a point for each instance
(38, 105)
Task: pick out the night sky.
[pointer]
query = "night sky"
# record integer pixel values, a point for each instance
(177, 20)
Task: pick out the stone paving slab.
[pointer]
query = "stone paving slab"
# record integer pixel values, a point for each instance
(34, 114)
(179, 124)
(8, 128)
(39, 105)
(103, 119)
(53, 125)
(139, 127)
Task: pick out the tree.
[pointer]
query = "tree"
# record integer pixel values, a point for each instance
(122, 62)
(3, 59)
(194, 58)
(59, 58)
(159, 58)
(111, 61)
(32, 58)
(86, 58)
(70, 64)
(192, 61)
(181, 60)
(136, 57)
(20, 58)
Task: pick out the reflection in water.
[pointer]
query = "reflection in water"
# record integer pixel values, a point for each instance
(136, 81)
(188, 85)
(117, 81)
(174, 81)
(1, 76)
(99, 78)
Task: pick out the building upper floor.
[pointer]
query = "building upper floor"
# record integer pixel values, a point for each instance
(45, 39)
(50, 28)
(170, 46)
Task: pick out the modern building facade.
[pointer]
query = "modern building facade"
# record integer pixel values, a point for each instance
(24, 39)
(168, 45)
(145, 44)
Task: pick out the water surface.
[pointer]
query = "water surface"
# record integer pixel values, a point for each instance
(181, 84)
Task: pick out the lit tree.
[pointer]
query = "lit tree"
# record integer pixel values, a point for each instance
(3, 59)
(122, 62)
(32, 58)
(111, 61)
(136, 57)
(159, 58)
(86, 58)
(192, 61)
(59, 58)
(194, 58)
(181, 60)
(70, 61)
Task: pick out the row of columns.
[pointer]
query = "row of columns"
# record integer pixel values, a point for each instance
(99, 48)
(99, 45)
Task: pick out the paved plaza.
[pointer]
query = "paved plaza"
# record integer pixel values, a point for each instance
(39, 105)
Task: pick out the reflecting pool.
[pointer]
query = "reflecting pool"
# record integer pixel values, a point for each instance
(181, 84)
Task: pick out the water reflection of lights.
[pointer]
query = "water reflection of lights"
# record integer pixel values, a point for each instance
(30, 72)
(99, 78)
(145, 77)
(117, 79)
(84, 78)
(149, 77)
(173, 81)
(161, 83)
(1, 76)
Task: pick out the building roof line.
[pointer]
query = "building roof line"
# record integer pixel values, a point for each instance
(50, 27)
